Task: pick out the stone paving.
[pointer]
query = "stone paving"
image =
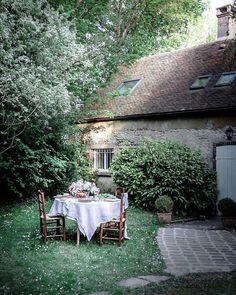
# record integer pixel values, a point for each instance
(132, 283)
(191, 247)
(142, 281)
(190, 250)
(205, 224)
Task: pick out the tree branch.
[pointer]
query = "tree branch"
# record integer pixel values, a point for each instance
(131, 22)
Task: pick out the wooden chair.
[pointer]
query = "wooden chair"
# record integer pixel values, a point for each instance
(50, 226)
(114, 229)
(119, 192)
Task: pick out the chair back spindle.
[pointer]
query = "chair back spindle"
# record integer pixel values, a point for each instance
(41, 200)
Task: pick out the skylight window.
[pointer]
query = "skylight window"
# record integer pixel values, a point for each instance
(226, 79)
(126, 87)
(200, 82)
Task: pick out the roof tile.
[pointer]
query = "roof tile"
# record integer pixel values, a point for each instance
(166, 82)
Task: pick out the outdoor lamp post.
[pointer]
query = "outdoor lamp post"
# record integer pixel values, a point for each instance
(229, 133)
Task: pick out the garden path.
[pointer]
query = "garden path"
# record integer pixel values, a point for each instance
(197, 246)
(190, 247)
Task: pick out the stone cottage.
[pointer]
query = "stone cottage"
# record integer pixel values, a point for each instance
(188, 95)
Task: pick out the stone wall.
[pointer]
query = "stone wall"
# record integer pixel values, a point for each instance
(198, 133)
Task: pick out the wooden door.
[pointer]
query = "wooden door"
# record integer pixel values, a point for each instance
(226, 171)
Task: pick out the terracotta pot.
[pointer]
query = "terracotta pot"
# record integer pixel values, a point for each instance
(164, 217)
(228, 222)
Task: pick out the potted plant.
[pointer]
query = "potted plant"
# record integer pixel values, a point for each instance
(227, 208)
(164, 205)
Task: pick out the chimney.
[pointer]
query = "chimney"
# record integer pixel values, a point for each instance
(226, 22)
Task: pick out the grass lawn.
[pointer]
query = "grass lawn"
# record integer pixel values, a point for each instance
(28, 266)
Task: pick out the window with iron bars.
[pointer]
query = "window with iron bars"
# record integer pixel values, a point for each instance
(101, 159)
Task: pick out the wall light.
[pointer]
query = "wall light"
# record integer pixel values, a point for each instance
(229, 133)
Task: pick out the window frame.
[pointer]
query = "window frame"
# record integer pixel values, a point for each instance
(131, 89)
(200, 77)
(217, 84)
(104, 153)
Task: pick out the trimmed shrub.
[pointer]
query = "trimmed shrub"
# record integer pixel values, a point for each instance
(164, 204)
(227, 207)
(156, 168)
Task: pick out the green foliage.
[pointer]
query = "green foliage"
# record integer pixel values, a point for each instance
(41, 160)
(52, 60)
(37, 49)
(125, 30)
(116, 93)
(164, 204)
(105, 196)
(230, 52)
(40, 61)
(202, 30)
(227, 207)
(129, 29)
(156, 168)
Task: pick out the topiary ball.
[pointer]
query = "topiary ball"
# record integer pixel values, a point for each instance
(227, 207)
(164, 204)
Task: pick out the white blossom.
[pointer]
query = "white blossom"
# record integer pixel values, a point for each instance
(39, 59)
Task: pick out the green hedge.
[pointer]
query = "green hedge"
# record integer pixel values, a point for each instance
(156, 168)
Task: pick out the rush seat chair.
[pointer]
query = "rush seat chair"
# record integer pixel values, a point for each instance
(114, 230)
(50, 226)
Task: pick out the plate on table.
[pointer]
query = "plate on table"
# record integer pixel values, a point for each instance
(58, 196)
(67, 195)
(64, 196)
(111, 200)
(84, 200)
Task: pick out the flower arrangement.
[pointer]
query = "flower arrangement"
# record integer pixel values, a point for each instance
(83, 188)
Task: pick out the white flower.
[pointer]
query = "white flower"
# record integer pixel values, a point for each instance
(81, 185)
(87, 186)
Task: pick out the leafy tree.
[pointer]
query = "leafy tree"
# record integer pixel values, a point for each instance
(157, 168)
(232, 48)
(40, 61)
(148, 23)
(202, 30)
(51, 62)
(132, 28)
(125, 30)
(39, 99)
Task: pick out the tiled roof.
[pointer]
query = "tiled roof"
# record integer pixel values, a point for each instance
(166, 81)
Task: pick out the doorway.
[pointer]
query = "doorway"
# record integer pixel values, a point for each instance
(226, 170)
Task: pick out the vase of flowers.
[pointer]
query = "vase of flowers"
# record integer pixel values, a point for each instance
(83, 189)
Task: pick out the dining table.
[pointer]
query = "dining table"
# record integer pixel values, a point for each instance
(88, 213)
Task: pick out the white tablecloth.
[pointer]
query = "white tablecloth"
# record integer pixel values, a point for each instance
(88, 215)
